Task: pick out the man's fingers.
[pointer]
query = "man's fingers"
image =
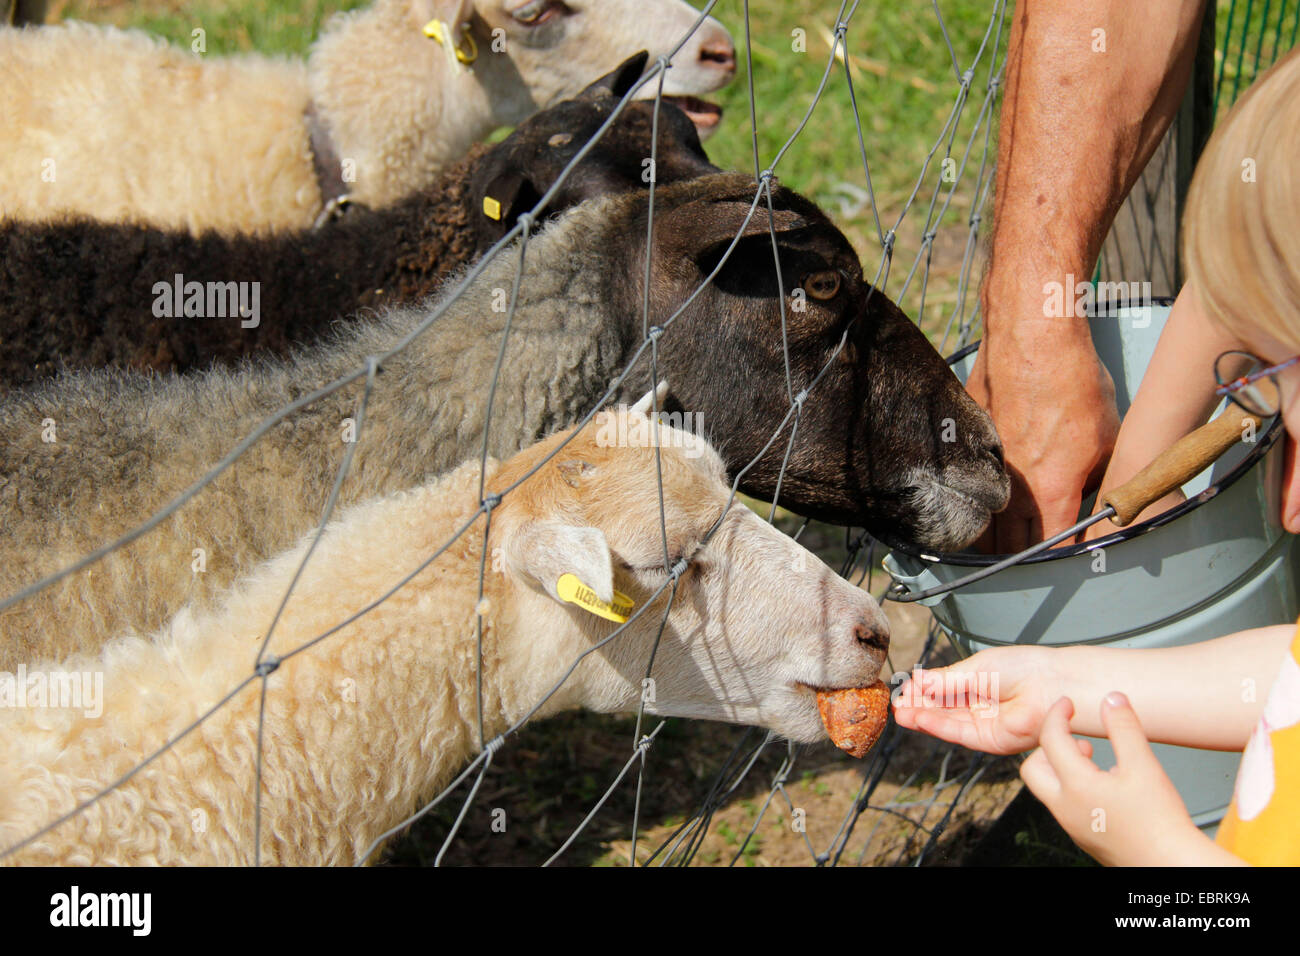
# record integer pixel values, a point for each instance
(1012, 533)
(1124, 729)
(1058, 516)
(1085, 746)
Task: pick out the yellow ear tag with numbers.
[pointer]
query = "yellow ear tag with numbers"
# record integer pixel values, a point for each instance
(491, 208)
(575, 592)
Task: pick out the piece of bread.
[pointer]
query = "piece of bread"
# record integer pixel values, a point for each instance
(855, 717)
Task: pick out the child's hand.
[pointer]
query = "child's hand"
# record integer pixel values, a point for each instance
(1128, 816)
(993, 701)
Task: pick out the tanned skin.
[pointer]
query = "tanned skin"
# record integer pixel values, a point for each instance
(1078, 125)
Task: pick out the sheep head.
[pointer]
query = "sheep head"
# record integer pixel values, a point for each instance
(757, 623)
(518, 171)
(887, 438)
(553, 48)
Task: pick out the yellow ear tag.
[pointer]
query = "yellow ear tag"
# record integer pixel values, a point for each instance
(436, 31)
(575, 592)
(440, 33)
(491, 208)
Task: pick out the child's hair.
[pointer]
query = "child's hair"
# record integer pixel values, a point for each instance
(1241, 227)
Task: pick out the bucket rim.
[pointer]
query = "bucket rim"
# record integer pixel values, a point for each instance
(973, 560)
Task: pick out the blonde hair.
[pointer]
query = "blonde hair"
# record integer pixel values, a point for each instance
(1241, 226)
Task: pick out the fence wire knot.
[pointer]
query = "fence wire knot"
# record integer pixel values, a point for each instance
(654, 332)
(526, 220)
(841, 28)
(267, 666)
(928, 237)
(975, 220)
(677, 569)
(967, 78)
(889, 242)
(799, 399)
(766, 177)
(491, 502)
(644, 744)
(495, 744)
(663, 62)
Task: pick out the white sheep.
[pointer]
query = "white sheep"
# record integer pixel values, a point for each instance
(367, 724)
(148, 132)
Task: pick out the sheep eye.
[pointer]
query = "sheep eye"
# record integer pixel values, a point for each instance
(822, 285)
(537, 11)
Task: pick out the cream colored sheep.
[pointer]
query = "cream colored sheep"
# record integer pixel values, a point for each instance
(372, 721)
(144, 131)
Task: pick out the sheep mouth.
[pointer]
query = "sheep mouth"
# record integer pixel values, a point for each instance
(702, 113)
(945, 518)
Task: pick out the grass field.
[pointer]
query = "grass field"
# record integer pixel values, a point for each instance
(905, 84)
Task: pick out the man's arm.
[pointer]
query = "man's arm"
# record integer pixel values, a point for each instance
(1082, 113)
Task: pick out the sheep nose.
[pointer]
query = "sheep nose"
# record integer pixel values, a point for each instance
(872, 636)
(721, 52)
(993, 448)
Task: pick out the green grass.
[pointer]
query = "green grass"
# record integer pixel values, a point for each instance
(267, 26)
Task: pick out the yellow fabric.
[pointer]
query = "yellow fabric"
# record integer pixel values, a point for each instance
(1263, 824)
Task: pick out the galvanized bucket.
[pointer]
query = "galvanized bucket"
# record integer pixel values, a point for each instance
(1218, 563)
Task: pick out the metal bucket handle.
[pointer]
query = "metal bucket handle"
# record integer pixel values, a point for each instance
(1173, 467)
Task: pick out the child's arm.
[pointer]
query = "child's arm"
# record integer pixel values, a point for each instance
(1176, 395)
(1206, 695)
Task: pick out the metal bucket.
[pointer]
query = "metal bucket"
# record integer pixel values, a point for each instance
(1218, 563)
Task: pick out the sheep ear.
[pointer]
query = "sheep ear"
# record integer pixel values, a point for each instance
(715, 224)
(457, 14)
(651, 400)
(445, 20)
(506, 197)
(618, 80)
(544, 551)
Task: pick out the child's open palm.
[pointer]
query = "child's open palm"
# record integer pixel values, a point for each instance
(994, 701)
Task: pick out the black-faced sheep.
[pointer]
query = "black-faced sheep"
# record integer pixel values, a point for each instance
(141, 131)
(366, 724)
(85, 294)
(887, 437)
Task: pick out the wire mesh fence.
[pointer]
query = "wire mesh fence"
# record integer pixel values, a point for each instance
(953, 163)
(909, 790)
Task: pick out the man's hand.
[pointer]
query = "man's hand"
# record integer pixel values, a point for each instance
(1053, 404)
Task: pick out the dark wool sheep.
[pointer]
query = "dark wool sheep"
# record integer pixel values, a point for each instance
(85, 294)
